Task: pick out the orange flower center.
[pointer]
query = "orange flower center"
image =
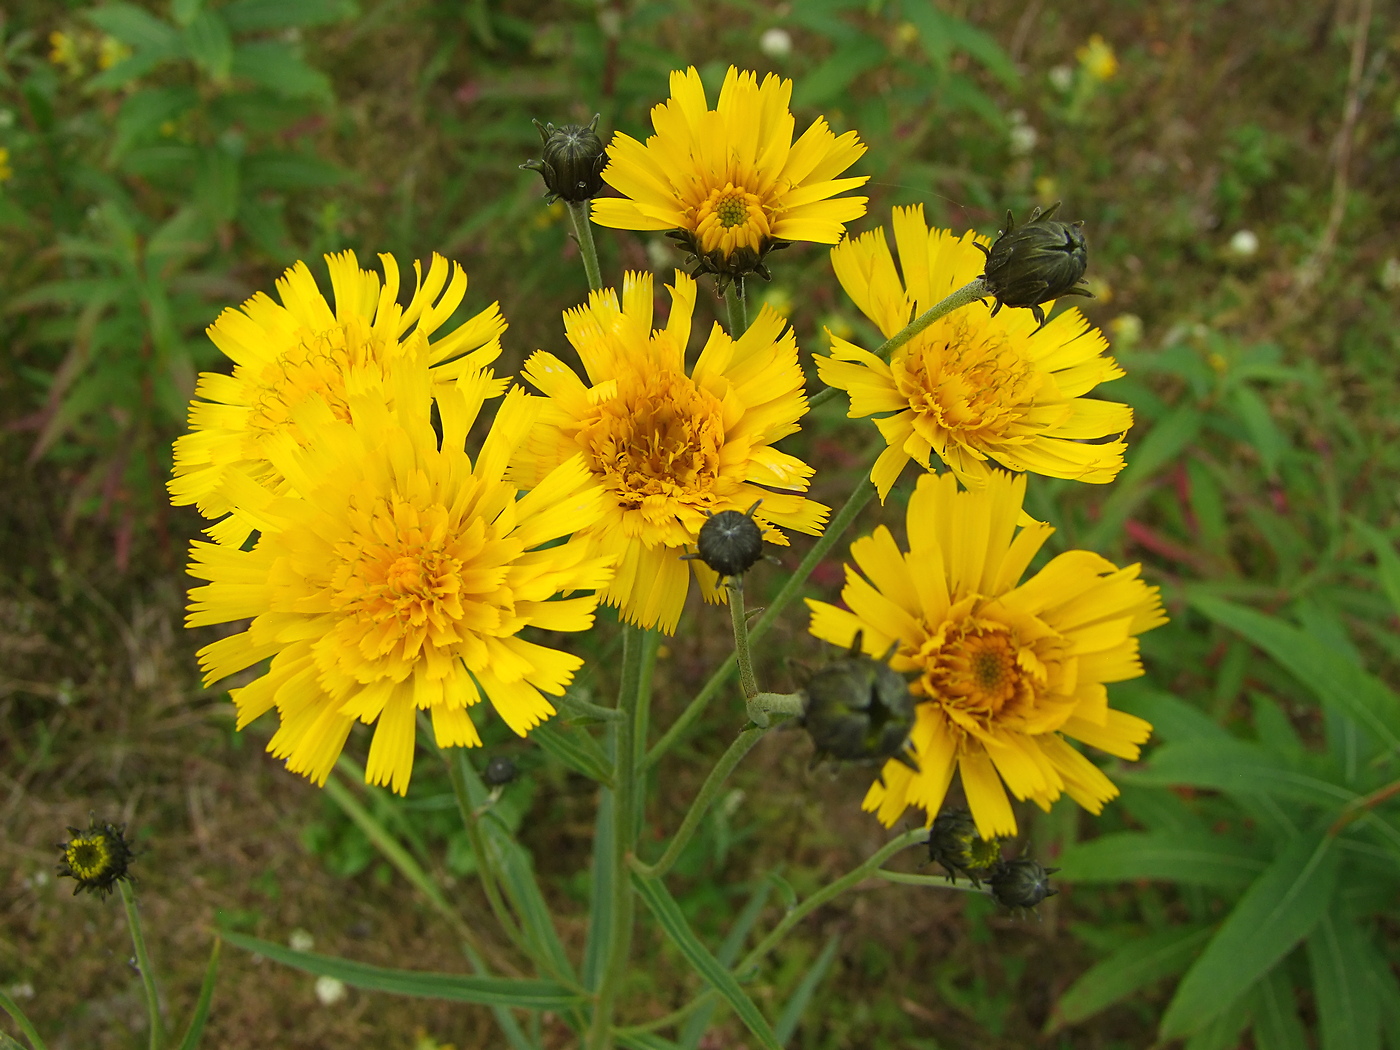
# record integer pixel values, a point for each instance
(408, 577)
(967, 383)
(730, 219)
(314, 366)
(659, 439)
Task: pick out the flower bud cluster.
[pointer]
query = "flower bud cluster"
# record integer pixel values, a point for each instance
(953, 843)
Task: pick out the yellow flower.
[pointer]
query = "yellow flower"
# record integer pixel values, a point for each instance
(284, 355)
(6, 172)
(400, 578)
(1004, 670)
(669, 447)
(731, 179)
(971, 387)
(63, 51)
(1098, 59)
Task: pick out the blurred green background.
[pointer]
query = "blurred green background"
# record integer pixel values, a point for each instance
(1235, 166)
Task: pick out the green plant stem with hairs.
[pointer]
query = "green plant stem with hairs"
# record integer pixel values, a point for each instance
(580, 213)
(969, 293)
(25, 1027)
(737, 307)
(143, 963)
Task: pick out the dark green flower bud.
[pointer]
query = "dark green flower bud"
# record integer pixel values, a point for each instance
(571, 161)
(1036, 262)
(500, 771)
(1021, 883)
(859, 709)
(953, 842)
(98, 857)
(730, 542)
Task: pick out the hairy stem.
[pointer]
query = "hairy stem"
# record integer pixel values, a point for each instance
(579, 215)
(143, 963)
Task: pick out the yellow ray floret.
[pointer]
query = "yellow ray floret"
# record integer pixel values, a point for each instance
(400, 577)
(972, 390)
(303, 349)
(669, 447)
(1003, 670)
(732, 176)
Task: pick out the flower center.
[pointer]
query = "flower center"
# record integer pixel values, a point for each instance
(313, 366)
(88, 857)
(410, 578)
(731, 219)
(977, 669)
(969, 384)
(659, 440)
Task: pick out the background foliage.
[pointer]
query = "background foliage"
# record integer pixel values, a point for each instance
(1234, 163)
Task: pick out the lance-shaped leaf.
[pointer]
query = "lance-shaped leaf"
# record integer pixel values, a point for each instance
(1197, 859)
(1277, 911)
(1133, 966)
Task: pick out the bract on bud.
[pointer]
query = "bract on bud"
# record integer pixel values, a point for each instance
(499, 772)
(1021, 883)
(571, 161)
(730, 542)
(1036, 262)
(97, 858)
(859, 709)
(953, 842)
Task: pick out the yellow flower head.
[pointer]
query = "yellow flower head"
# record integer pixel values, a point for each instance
(670, 447)
(301, 350)
(732, 179)
(971, 388)
(1098, 59)
(1003, 670)
(400, 578)
(6, 172)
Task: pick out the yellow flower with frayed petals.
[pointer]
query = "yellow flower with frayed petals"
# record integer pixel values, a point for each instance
(1003, 670)
(731, 180)
(284, 355)
(670, 448)
(400, 578)
(971, 389)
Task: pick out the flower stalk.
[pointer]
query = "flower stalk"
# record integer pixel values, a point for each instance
(143, 963)
(580, 215)
(736, 305)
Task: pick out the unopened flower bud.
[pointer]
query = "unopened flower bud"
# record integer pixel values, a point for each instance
(571, 161)
(97, 858)
(954, 843)
(730, 542)
(1036, 262)
(859, 709)
(1021, 883)
(500, 771)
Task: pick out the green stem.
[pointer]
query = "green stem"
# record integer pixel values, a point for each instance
(747, 682)
(912, 837)
(579, 215)
(624, 797)
(26, 1029)
(936, 882)
(835, 528)
(738, 308)
(471, 820)
(742, 745)
(968, 293)
(143, 963)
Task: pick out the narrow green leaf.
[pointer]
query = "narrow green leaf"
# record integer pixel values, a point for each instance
(1276, 1022)
(1132, 967)
(516, 874)
(195, 1032)
(644, 1041)
(1237, 767)
(1161, 445)
(600, 895)
(1347, 1012)
(1200, 859)
(1387, 561)
(1264, 434)
(1338, 682)
(668, 916)
(208, 43)
(796, 1005)
(452, 987)
(1172, 718)
(575, 748)
(279, 67)
(856, 53)
(1275, 913)
(698, 1022)
(457, 988)
(1223, 1031)
(183, 12)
